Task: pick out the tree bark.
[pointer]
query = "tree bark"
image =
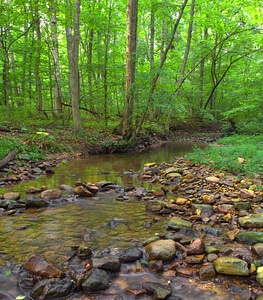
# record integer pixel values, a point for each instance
(55, 60)
(131, 23)
(73, 56)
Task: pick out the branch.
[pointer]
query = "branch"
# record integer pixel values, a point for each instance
(11, 155)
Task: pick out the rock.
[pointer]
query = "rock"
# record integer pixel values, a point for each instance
(52, 288)
(82, 191)
(212, 257)
(242, 205)
(207, 272)
(244, 193)
(250, 237)
(84, 252)
(66, 188)
(4, 203)
(251, 221)
(98, 280)
(36, 170)
(154, 205)
(107, 263)
(258, 249)
(195, 259)
(33, 190)
(225, 208)
(86, 186)
(181, 201)
(186, 271)
(204, 210)
(161, 250)
(42, 267)
(159, 291)
(78, 272)
(173, 175)
(231, 266)
(233, 233)
(173, 170)
(259, 276)
(196, 247)
(109, 297)
(51, 194)
(178, 223)
(32, 201)
(130, 255)
(12, 196)
(15, 205)
(212, 179)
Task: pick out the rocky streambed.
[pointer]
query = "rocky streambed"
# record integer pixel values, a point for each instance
(213, 234)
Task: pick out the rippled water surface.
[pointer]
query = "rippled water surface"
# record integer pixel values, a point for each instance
(100, 221)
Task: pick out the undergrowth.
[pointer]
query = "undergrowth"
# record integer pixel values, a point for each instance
(237, 154)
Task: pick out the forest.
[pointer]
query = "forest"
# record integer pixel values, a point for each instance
(131, 65)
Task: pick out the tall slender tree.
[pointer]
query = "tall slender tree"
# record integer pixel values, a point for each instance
(73, 40)
(55, 60)
(132, 20)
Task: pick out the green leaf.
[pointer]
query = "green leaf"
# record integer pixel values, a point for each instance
(20, 297)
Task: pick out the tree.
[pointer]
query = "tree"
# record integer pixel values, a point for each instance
(132, 20)
(73, 40)
(55, 60)
(158, 73)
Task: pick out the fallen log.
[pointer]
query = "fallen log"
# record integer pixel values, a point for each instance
(11, 155)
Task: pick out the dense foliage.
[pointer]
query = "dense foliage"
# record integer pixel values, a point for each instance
(211, 70)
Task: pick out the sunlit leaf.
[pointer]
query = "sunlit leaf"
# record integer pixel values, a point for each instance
(42, 133)
(20, 297)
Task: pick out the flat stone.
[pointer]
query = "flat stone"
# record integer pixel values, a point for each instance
(212, 179)
(251, 221)
(12, 196)
(231, 266)
(51, 194)
(178, 223)
(250, 237)
(42, 267)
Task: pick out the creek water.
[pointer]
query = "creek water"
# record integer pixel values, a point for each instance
(99, 221)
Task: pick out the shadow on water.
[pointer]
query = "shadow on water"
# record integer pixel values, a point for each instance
(99, 221)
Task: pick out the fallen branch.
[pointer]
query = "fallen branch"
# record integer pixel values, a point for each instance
(11, 155)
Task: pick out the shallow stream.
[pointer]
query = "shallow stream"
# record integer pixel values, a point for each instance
(99, 221)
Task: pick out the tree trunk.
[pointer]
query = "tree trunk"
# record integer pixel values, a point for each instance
(55, 61)
(73, 55)
(90, 72)
(131, 23)
(37, 64)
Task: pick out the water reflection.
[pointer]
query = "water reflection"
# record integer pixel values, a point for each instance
(110, 167)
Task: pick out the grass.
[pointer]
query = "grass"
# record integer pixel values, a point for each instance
(224, 155)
